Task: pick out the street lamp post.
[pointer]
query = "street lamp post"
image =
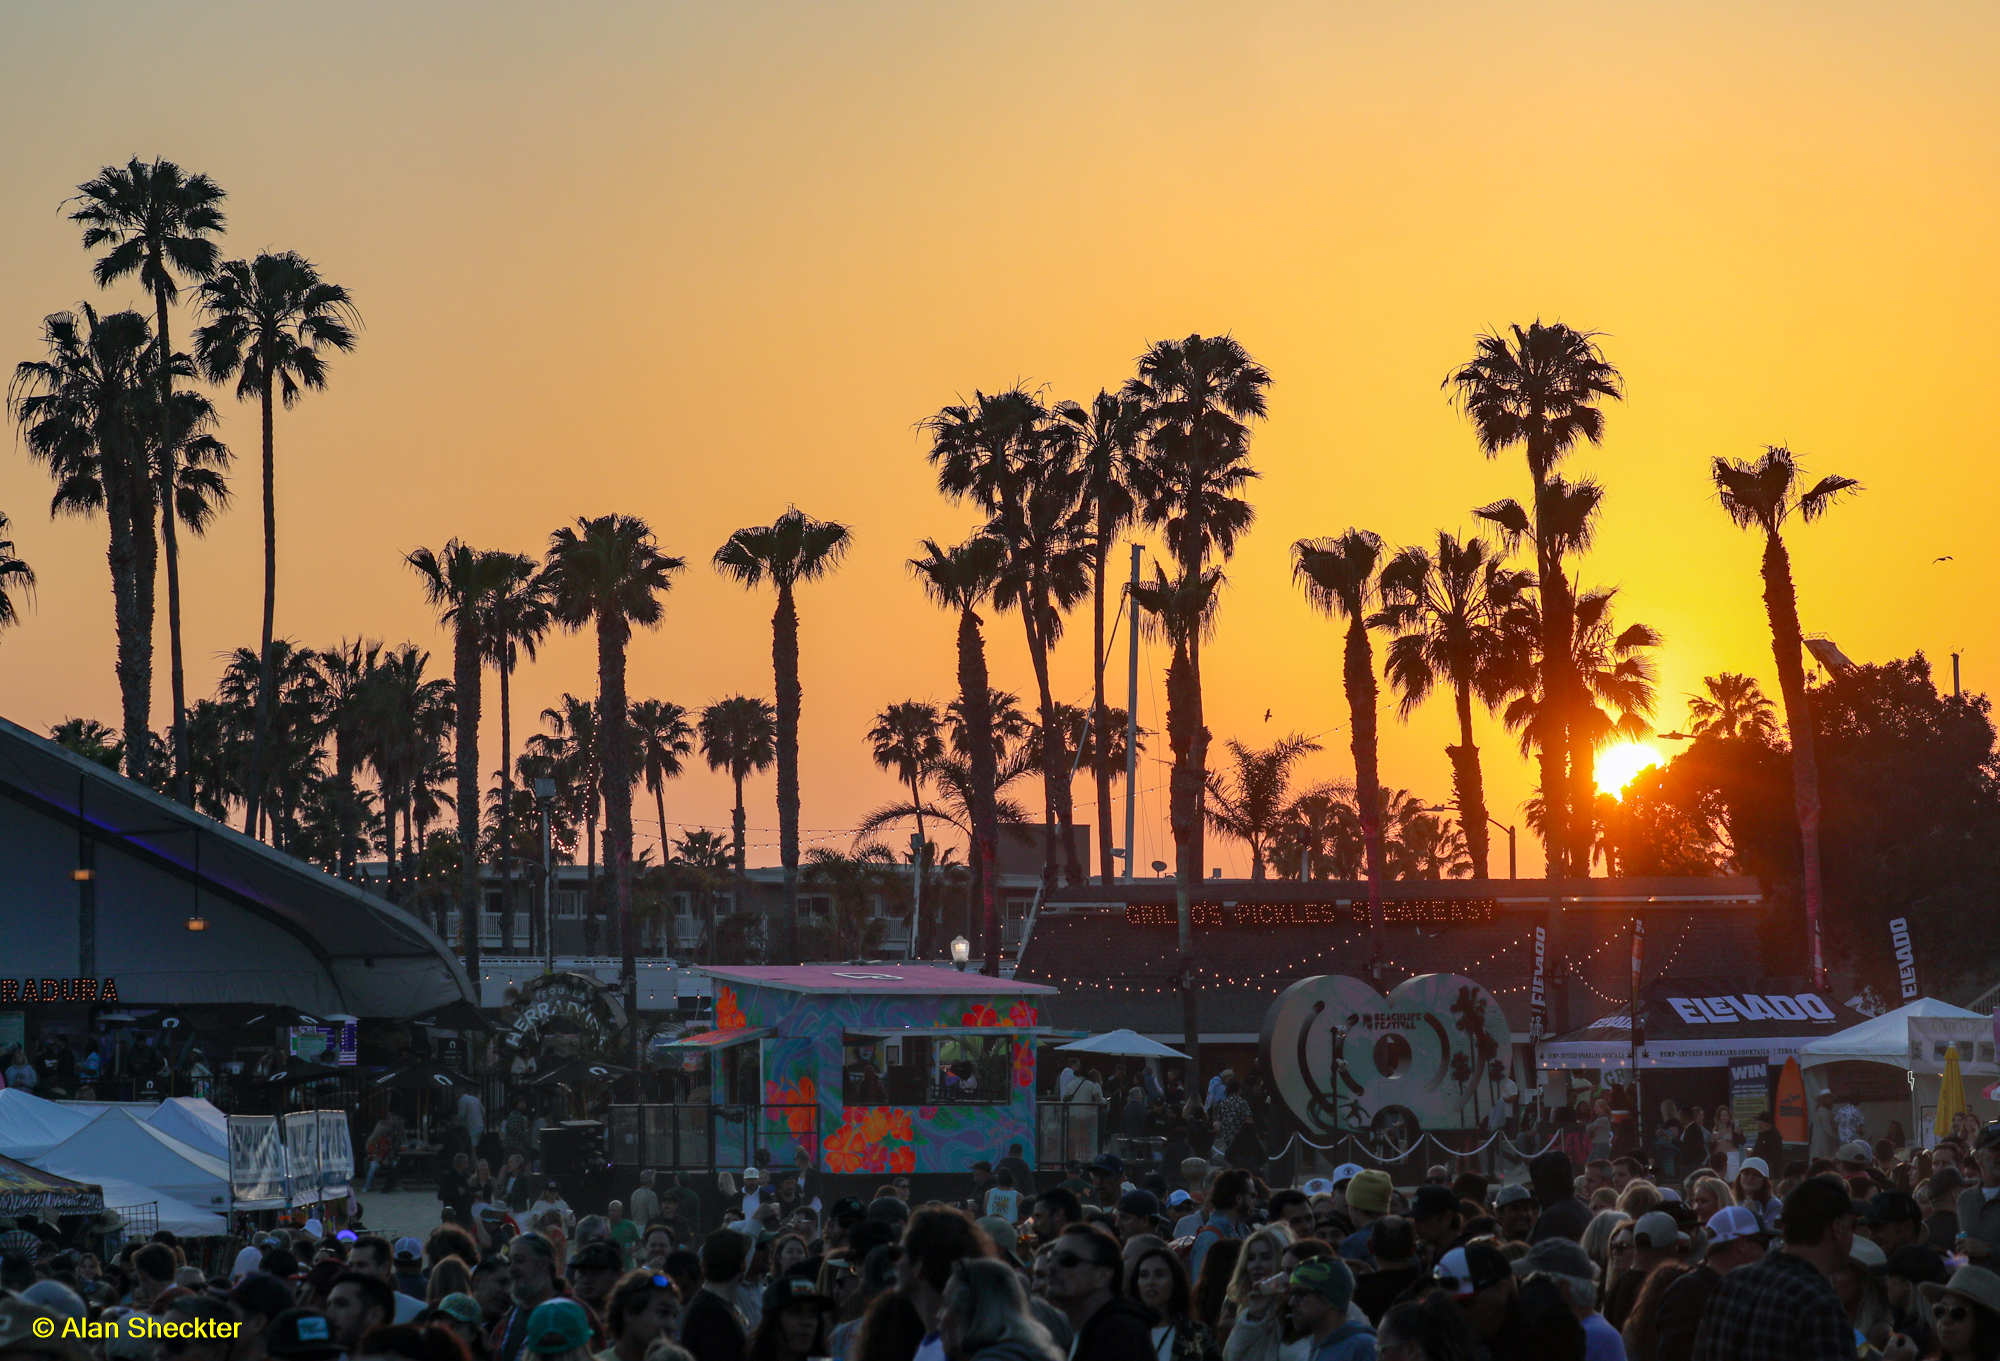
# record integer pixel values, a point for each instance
(1505, 827)
(545, 798)
(961, 952)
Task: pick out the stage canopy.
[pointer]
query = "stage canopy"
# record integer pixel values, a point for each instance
(275, 929)
(1704, 1023)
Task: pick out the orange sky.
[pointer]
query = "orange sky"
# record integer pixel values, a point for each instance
(697, 262)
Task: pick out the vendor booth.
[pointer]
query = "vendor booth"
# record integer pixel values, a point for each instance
(1702, 1039)
(1891, 1066)
(853, 1068)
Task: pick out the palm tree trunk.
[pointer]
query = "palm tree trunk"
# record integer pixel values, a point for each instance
(509, 866)
(917, 862)
(145, 590)
(169, 476)
(976, 699)
(1788, 643)
(1184, 807)
(261, 734)
(783, 941)
(1100, 721)
(1359, 677)
(612, 631)
(131, 666)
(1052, 744)
(593, 905)
(736, 820)
(1469, 784)
(660, 807)
(466, 664)
(344, 765)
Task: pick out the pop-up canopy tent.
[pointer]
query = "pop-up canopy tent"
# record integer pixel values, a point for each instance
(1891, 1065)
(118, 1143)
(30, 1126)
(191, 1119)
(175, 1216)
(1704, 1023)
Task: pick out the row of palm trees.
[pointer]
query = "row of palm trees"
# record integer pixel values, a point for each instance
(105, 411)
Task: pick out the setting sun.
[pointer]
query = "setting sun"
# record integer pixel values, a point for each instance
(1617, 766)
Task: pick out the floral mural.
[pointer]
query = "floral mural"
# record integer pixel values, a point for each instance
(728, 1014)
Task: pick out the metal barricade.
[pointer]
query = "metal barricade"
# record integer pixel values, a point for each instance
(704, 1138)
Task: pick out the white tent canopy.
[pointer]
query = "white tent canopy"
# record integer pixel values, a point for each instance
(30, 1126)
(176, 1216)
(195, 1122)
(118, 1142)
(1122, 1043)
(1882, 1039)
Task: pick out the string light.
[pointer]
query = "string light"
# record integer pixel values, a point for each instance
(1408, 912)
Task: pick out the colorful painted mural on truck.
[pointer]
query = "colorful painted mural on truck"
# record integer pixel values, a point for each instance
(990, 1037)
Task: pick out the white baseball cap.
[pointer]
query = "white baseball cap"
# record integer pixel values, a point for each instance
(1732, 1222)
(1318, 1186)
(1180, 1198)
(1757, 1165)
(751, 1174)
(1345, 1172)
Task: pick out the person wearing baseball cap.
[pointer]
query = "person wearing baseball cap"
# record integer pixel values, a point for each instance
(1979, 1206)
(1515, 1211)
(1138, 1212)
(1317, 1294)
(1568, 1267)
(1656, 1240)
(1736, 1238)
(1784, 1305)
(1892, 1219)
(1435, 1212)
(301, 1335)
(558, 1327)
(1524, 1318)
(259, 1299)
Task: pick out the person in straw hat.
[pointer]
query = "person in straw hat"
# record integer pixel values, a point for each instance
(1965, 1318)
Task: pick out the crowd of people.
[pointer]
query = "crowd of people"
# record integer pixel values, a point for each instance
(1854, 1256)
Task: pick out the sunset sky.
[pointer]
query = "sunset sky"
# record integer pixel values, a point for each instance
(697, 262)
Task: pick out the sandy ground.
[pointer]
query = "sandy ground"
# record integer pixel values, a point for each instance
(399, 1213)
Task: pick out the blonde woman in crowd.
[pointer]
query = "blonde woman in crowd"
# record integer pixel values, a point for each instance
(1707, 1195)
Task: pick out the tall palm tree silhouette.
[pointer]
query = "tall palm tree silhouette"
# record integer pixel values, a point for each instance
(1762, 495)
(908, 739)
(517, 620)
(790, 551)
(1735, 706)
(665, 738)
(1251, 805)
(159, 222)
(271, 322)
(15, 575)
(1543, 388)
(82, 412)
(1338, 575)
(609, 572)
(459, 582)
(962, 578)
(1448, 612)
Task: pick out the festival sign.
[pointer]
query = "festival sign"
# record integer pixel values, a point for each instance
(1429, 1056)
(571, 1004)
(1906, 957)
(256, 1162)
(1703, 1023)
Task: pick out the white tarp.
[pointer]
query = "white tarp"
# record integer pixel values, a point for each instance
(176, 1216)
(30, 1126)
(193, 1121)
(1881, 1039)
(117, 1143)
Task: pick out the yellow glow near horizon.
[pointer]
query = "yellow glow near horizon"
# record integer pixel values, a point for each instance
(1617, 765)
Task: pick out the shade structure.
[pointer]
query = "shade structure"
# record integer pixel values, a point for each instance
(1951, 1093)
(419, 1077)
(454, 1016)
(1880, 1039)
(1122, 1043)
(301, 1071)
(30, 1190)
(273, 928)
(572, 1071)
(1704, 1023)
(120, 1144)
(30, 1126)
(194, 1122)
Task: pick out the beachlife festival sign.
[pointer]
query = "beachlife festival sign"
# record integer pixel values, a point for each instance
(1429, 1056)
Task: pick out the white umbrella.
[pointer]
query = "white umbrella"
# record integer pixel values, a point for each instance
(1127, 1043)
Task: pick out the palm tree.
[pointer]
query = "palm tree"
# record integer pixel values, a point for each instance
(1002, 453)
(1183, 610)
(158, 221)
(459, 583)
(1318, 835)
(82, 411)
(1762, 495)
(571, 753)
(91, 740)
(697, 864)
(15, 575)
(410, 719)
(517, 619)
(854, 880)
(1250, 807)
(740, 735)
(1197, 398)
(908, 738)
(790, 551)
(298, 724)
(664, 737)
(1735, 706)
(961, 579)
(1542, 390)
(610, 572)
(270, 322)
(347, 673)
(1105, 439)
(1338, 577)
(1448, 614)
